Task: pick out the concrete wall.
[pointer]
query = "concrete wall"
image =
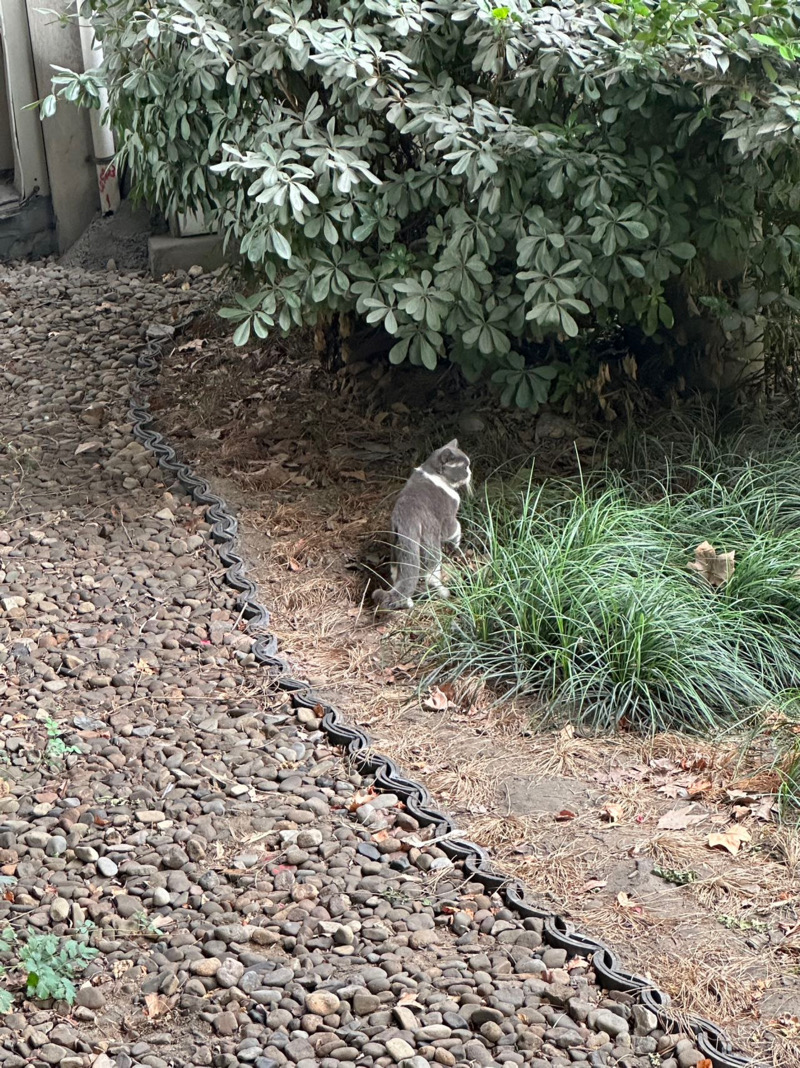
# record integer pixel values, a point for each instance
(67, 135)
(30, 167)
(6, 137)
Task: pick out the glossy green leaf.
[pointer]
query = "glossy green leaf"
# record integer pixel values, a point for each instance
(241, 334)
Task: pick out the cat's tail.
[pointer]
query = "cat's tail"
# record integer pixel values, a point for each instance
(405, 577)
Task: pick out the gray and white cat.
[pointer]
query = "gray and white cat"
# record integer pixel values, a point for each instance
(424, 517)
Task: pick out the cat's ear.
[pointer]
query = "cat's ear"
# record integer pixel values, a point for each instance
(448, 453)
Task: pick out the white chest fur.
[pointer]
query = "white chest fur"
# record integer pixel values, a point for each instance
(437, 480)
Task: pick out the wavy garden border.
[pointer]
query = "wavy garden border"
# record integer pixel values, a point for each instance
(710, 1039)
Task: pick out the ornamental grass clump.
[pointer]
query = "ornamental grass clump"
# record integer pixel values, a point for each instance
(648, 608)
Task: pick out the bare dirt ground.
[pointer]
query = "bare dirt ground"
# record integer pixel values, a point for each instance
(612, 833)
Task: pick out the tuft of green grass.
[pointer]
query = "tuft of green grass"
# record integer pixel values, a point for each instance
(582, 596)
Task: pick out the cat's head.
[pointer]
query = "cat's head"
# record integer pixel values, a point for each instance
(452, 464)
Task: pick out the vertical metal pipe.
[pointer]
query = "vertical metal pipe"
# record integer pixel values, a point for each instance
(102, 136)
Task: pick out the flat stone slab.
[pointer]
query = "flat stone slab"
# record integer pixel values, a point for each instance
(167, 253)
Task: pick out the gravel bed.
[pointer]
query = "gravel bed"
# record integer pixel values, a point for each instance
(251, 900)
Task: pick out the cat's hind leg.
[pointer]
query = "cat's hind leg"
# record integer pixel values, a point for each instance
(452, 534)
(404, 570)
(432, 565)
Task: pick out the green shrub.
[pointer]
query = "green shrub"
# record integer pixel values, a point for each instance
(476, 181)
(582, 598)
(50, 964)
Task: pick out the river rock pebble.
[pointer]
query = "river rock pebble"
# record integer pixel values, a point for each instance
(161, 803)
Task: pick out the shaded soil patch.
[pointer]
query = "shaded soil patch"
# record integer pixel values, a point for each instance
(313, 474)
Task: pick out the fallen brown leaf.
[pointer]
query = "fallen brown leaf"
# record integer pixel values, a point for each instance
(531, 1015)
(671, 790)
(699, 787)
(697, 762)
(739, 797)
(626, 902)
(437, 701)
(593, 884)
(678, 819)
(663, 764)
(716, 568)
(157, 1004)
(732, 839)
(408, 999)
(361, 798)
(612, 813)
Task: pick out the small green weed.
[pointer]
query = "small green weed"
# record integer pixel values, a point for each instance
(673, 875)
(24, 459)
(148, 925)
(736, 923)
(50, 964)
(395, 896)
(56, 748)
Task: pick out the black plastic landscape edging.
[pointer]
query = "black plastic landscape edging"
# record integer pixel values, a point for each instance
(710, 1039)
